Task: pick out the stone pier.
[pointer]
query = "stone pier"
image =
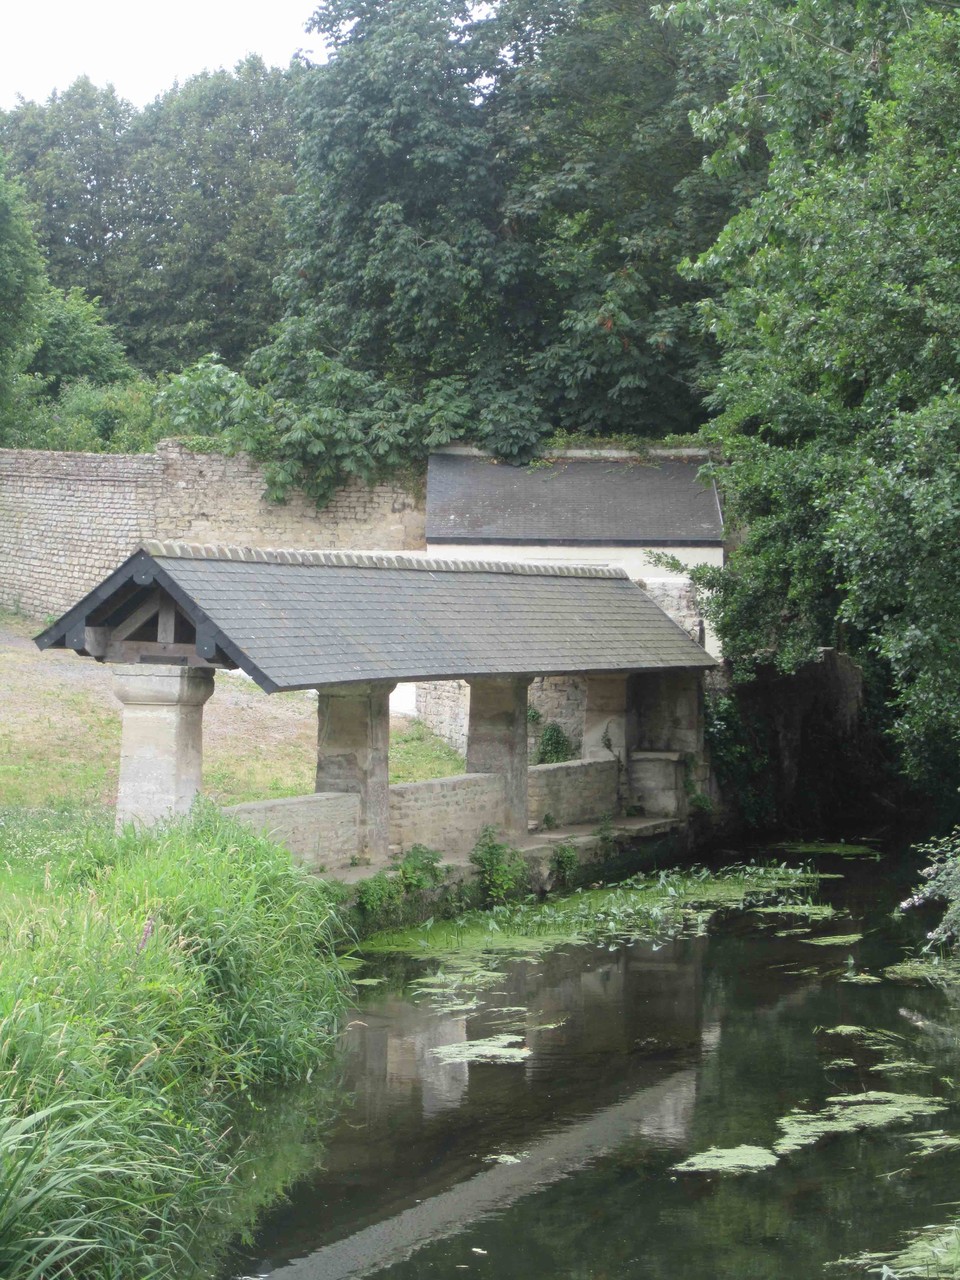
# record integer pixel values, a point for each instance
(161, 746)
(497, 743)
(353, 740)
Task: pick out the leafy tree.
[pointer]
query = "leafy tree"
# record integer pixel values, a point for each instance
(21, 278)
(839, 324)
(483, 237)
(171, 215)
(210, 163)
(71, 155)
(74, 341)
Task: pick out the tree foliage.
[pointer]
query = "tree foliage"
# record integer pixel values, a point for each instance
(838, 316)
(21, 280)
(170, 216)
(489, 208)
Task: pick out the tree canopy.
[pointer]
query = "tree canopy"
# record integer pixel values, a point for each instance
(171, 216)
(838, 317)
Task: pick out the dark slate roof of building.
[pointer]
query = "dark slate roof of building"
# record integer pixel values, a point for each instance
(571, 502)
(300, 619)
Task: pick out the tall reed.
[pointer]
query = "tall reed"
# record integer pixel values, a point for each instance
(146, 980)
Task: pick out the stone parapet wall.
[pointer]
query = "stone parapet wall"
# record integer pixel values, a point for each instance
(447, 814)
(68, 519)
(576, 791)
(321, 830)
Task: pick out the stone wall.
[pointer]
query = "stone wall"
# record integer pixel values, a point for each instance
(444, 707)
(576, 791)
(446, 813)
(322, 830)
(68, 519)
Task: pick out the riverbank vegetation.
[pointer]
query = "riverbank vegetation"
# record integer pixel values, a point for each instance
(148, 983)
(649, 905)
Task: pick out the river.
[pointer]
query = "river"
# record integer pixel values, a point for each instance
(557, 1160)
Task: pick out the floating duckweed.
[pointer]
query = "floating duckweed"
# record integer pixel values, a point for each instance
(933, 1142)
(869, 1037)
(652, 907)
(838, 850)
(836, 940)
(925, 971)
(903, 1067)
(847, 1113)
(810, 910)
(744, 1159)
(861, 979)
(502, 1048)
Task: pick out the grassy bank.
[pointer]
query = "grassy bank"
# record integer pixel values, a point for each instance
(147, 982)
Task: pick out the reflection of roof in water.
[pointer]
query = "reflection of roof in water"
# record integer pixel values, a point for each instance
(661, 1111)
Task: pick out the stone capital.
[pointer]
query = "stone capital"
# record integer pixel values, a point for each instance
(162, 684)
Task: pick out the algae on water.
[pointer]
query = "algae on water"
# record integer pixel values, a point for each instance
(733, 1160)
(847, 1113)
(502, 1048)
(835, 940)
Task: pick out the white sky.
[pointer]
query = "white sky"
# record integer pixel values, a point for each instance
(141, 48)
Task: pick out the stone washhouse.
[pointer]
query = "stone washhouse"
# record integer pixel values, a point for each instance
(351, 625)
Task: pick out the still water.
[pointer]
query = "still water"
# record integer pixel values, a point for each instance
(561, 1164)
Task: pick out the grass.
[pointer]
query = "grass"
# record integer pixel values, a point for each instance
(416, 754)
(147, 982)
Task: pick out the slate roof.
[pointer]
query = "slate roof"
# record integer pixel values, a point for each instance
(300, 619)
(571, 502)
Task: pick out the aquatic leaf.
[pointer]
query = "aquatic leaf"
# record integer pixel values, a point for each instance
(733, 1160)
(847, 1113)
(501, 1048)
(837, 940)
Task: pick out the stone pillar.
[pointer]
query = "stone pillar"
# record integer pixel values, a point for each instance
(497, 743)
(353, 739)
(161, 744)
(605, 718)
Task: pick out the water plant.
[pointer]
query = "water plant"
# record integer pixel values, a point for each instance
(501, 870)
(652, 906)
(732, 1160)
(564, 864)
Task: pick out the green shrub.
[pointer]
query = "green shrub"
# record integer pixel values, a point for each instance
(553, 747)
(420, 869)
(390, 898)
(564, 864)
(501, 870)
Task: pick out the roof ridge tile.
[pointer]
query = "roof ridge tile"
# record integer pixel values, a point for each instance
(172, 549)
